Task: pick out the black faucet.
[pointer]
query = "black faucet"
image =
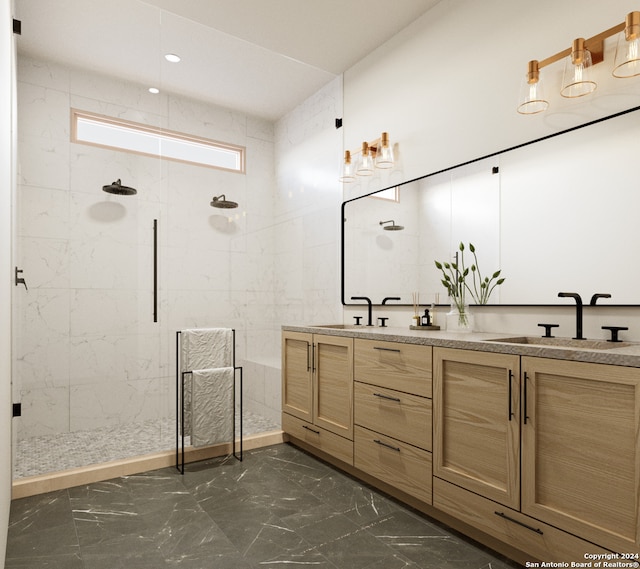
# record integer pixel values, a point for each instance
(370, 308)
(598, 295)
(384, 300)
(578, 300)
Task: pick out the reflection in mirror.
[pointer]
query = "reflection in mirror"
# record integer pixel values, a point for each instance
(556, 214)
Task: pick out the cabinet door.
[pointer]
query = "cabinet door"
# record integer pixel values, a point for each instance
(333, 385)
(297, 387)
(581, 449)
(476, 422)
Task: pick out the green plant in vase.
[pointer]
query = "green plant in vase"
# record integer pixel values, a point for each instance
(455, 277)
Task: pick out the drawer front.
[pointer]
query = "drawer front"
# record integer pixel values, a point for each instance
(323, 440)
(404, 367)
(393, 413)
(403, 466)
(542, 542)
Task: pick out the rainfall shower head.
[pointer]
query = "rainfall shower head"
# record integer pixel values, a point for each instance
(392, 227)
(222, 202)
(118, 189)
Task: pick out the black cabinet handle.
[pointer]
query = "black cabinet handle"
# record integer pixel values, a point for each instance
(383, 396)
(524, 403)
(310, 429)
(503, 515)
(387, 445)
(386, 349)
(308, 354)
(510, 394)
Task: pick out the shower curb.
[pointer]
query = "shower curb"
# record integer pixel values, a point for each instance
(33, 485)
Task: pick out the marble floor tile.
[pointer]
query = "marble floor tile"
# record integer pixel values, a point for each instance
(278, 508)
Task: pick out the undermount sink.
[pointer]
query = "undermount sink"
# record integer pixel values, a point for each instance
(562, 342)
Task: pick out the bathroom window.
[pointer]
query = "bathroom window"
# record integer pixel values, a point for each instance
(109, 132)
(390, 194)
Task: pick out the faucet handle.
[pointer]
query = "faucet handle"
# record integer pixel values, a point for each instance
(547, 329)
(614, 332)
(383, 321)
(598, 295)
(357, 319)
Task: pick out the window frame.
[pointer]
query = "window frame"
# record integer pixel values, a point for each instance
(160, 133)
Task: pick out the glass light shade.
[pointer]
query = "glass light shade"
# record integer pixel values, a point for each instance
(365, 166)
(348, 170)
(384, 152)
(576, 80)
(532, 99)
(627, 60)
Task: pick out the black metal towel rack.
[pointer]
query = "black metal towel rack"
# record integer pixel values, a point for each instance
(180, 380)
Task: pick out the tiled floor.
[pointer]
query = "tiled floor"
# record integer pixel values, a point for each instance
(61, 451)
(278, 508)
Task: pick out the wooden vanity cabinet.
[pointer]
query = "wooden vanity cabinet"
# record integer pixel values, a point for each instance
(575, 429)
(393, 414)
(581, 449)
(317, 391)
(476, 422)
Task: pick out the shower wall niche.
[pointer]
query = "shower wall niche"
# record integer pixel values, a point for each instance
(88, 356)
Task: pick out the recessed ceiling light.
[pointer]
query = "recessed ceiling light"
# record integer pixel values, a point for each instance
(154, 90)
(172, 57)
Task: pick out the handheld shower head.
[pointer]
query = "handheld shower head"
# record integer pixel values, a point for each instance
(222, 202)
(118, 189)
(392, 227)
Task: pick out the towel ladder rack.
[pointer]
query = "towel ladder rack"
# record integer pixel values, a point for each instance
(180, 381)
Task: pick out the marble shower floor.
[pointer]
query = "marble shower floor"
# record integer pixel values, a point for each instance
(280, 507)
(52, 453)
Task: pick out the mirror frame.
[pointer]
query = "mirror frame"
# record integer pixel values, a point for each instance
(541, 139)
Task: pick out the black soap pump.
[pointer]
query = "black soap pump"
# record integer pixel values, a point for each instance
(426, 318)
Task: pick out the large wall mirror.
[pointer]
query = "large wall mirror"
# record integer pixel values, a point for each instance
(560, 213)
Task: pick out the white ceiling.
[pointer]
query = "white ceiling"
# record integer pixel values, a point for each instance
(262, 57)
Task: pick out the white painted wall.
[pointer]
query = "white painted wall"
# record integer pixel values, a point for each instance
(307, 211)
(7, 188)
(446, 90)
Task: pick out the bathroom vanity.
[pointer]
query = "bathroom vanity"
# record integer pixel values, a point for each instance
(532, 449)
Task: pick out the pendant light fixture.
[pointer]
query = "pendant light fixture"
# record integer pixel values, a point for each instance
(576, 80)
(532, 100)
(627, 60)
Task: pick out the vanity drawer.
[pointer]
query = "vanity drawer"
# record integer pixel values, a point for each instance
(404, 367)
(323, 440)
(541, 541)
(403, 466)
(399, 415)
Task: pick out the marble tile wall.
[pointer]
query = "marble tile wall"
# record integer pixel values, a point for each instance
(87, 352)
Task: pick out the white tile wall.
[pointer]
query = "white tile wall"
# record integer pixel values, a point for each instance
(87, 353)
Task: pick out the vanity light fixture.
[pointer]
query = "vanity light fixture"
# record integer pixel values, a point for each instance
(384, 152)
(532, 99)
(580, 57)
(576, 80)
(348, 170)
(172, 58)
(365, 165)
(375, 154)
(627, 60)
(154, 90)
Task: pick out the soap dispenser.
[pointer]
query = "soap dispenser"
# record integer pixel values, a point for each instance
(426, 318)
